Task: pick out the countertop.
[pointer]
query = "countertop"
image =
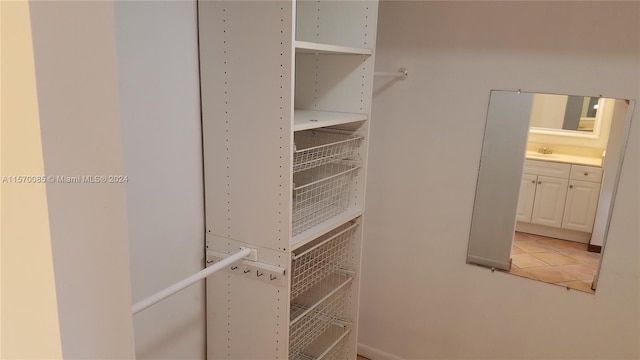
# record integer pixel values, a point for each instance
(565, 158)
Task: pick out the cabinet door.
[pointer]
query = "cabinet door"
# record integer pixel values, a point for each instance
(580, 207)
(550, 197)
(527, 195)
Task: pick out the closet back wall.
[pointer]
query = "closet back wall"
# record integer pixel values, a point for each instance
(419, 299)
(160, 109)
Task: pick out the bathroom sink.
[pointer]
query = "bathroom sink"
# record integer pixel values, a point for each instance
(565, 158)
(532, 154)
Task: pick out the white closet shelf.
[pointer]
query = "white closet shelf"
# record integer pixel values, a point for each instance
(324, 227)
(313, 119)
(305, 47)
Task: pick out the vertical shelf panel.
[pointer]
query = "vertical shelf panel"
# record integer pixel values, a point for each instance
(247, 317)
(247, 119)
(246, 59)
(354, 261)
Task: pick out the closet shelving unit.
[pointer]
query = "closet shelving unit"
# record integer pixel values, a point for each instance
(286, 97)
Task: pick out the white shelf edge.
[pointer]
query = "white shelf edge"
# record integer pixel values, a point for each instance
(306, 47)
(313, 119)
(324, 227)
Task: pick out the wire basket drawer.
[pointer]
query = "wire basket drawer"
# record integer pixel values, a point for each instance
(329, 346)
(318, 324)
(315, 148)
(320, 193)
(325, 255)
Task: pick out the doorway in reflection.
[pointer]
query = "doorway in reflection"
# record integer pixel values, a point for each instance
(560, 193)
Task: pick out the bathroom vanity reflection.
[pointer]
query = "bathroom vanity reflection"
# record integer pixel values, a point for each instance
(551, 189)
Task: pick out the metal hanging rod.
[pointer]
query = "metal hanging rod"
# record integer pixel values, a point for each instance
(163, 294)
(402, 73)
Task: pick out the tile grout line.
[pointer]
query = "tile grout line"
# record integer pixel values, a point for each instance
(565, 251)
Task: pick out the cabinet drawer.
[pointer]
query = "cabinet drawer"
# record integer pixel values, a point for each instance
(547, 168)
(586, 173)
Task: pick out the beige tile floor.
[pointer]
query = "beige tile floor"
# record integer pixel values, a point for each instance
(554, 261)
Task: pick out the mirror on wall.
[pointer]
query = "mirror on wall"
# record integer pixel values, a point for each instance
(564, 112)
(544, 198)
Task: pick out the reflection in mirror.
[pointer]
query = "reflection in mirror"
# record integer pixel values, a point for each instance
(544, 198)
(564, 112)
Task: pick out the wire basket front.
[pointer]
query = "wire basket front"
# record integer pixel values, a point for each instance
(315, 148)
(312, 325)
(330, 346)
(321, 193)
(315, 261)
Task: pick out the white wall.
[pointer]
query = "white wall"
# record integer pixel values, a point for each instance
(611, 165)
(29, 309)
(75, 66)
(548, 110)
(419, 298)
(160, 107)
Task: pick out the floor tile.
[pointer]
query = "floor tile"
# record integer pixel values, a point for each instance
(583, 256)
(584, 272)
(518, 236)
(550, 274)
(562, 262)
(562, 245)
(525, 261)
(516, 250)
(554, 258)
(578, 285)
(521, 272)
(531, 246)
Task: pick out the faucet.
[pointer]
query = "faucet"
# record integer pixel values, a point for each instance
(545, 150)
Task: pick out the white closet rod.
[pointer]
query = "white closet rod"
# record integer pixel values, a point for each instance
(402, 73)
(163, 294)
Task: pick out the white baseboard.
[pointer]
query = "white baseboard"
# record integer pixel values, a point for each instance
(375, 354)
(571, 235)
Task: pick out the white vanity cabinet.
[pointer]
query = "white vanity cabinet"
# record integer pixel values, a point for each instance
(526, 198)
(582, 198)
(558, 199)
(548, 204)
(543, 192)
